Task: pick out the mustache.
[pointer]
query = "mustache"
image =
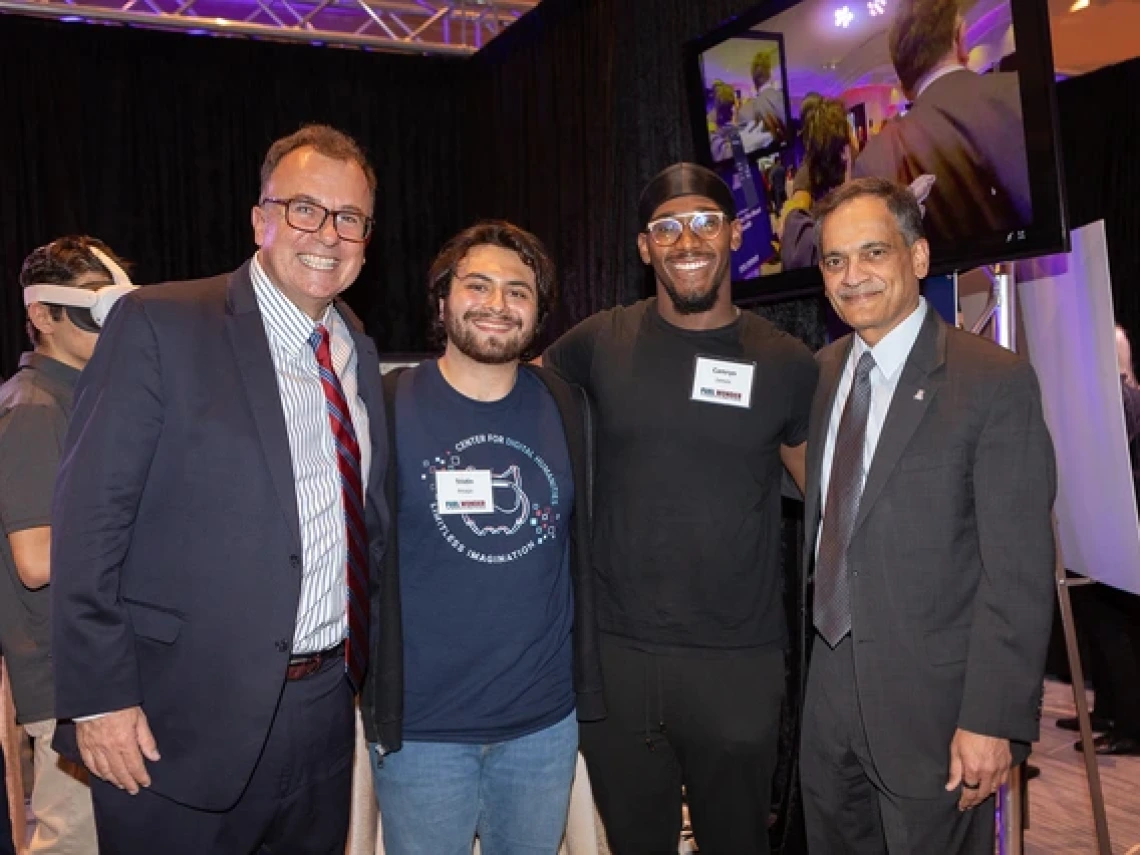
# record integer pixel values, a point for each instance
(484, 315)
(849, 292)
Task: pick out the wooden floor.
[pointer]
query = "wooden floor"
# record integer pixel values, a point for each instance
(1060, 816)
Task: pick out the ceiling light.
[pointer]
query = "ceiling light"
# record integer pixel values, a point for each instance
(1078, 5)
(844, 17)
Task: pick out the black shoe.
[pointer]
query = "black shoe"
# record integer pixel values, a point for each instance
(1099, 723)
(1032, 771)
(1098, 741)
(1114, 745)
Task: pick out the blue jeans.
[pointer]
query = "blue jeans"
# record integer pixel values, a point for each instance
(435, 797)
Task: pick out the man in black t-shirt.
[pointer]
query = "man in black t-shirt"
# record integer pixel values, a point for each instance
(698, 403)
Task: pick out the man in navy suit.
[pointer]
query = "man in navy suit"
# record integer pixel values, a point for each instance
(216, 513)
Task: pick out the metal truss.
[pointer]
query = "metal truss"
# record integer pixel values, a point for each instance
(455, 27)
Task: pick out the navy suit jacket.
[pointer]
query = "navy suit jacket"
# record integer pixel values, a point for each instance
(176, 546)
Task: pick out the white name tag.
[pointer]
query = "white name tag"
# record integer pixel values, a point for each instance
(722, 381)
(464, 491)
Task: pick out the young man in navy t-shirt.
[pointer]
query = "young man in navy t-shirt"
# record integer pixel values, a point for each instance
(484, 508)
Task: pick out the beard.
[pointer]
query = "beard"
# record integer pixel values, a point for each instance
(693, 302)
(497, 349)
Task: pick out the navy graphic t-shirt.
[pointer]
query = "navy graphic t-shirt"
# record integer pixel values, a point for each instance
(486, 597)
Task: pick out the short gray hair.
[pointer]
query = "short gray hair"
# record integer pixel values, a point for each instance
(898, 198)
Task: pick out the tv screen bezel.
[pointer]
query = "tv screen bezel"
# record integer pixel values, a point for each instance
(1049, 232)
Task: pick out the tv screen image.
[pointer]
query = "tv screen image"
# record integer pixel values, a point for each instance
(955, 99)
(745, 95)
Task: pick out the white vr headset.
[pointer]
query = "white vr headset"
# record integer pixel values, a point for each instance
(86, 308)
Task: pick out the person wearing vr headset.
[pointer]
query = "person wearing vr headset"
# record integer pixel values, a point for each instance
(69, 286)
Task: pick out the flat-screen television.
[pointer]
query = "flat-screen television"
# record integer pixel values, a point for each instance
(954, 98)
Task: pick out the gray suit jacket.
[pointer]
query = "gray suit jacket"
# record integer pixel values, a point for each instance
(965, 130)
(951, 560)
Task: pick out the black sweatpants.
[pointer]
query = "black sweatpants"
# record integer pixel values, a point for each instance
(707, 722)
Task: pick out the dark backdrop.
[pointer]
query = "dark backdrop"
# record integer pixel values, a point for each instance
(153, 142)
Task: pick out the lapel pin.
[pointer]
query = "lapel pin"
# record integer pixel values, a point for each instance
(919, 394)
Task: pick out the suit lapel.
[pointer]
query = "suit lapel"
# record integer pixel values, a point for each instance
(259, 378)
(917, 387)
(830, 370)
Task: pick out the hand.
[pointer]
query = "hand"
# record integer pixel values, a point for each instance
(977, 759)
(113, 747)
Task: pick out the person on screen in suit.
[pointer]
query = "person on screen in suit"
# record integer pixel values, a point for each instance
(700, 406)
(930, 485)
(218, 508)
(963, 128)
(496, 581)
(35, 405)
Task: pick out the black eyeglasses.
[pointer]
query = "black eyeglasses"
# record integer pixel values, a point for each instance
(307, 216)
(706, 225)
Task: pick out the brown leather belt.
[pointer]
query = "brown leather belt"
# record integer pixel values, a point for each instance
(310, 663)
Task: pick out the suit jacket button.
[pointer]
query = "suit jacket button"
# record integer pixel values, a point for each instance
(294, 561)
(282, 645)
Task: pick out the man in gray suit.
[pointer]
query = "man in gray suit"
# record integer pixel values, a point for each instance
(963, 128)
(930, 483)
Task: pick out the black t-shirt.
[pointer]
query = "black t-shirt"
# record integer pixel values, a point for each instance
(687, 518)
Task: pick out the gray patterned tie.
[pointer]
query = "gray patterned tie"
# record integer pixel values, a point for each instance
(832, 591)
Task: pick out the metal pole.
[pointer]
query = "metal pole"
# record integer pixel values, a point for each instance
(1010, 813)
(1004, 306)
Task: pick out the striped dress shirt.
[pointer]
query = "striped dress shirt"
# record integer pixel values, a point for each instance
(321, 618)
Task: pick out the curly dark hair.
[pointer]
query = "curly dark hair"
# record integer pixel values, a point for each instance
(491, 233)
(61, 262)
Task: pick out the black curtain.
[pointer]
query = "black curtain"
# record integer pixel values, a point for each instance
(1100, 144)
(153, 141)
(585, 103)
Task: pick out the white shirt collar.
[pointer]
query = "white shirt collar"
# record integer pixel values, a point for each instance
(288, 326)
(893, 349)
(937, 74)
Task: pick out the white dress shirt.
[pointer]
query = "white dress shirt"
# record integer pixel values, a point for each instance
(890, 355)
(321, 613)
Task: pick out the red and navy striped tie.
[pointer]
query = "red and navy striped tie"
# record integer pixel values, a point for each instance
(351, 487)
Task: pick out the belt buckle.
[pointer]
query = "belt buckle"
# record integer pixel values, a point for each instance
(304, 667)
